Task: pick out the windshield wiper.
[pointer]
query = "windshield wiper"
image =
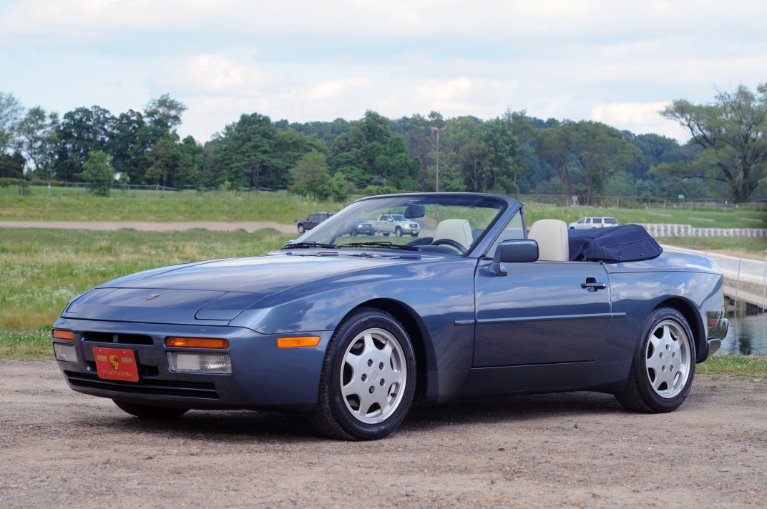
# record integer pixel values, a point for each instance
(379, 244)
(306, 245)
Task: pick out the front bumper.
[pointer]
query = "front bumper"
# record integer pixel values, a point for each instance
(263, 376)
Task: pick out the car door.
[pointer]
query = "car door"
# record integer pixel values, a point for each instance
(540, 313)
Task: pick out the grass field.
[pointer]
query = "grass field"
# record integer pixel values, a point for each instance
(42, 270)
(67, 204)
(78, 205)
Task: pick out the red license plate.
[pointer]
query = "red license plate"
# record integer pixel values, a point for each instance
(116, 364)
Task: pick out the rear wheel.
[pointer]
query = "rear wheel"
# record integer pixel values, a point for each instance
(300, 228)
(150, 412)
(664, 364)
(368, 378)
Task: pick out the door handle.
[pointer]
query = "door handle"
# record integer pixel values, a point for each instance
(592, 285)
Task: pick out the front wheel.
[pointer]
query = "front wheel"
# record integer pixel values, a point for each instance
(368, 377)
(301, 228)
(150, 412)
(664, 364)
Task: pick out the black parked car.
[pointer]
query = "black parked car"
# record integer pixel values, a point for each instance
(364, 228)
(312, 221)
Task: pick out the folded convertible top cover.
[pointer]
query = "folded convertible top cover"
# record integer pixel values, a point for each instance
(625, 243)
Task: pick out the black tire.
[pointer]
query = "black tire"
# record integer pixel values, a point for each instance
(356, 366)
(150, 412)
(300, 228)
(663, 367)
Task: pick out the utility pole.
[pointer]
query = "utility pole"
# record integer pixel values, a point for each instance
(438, 130)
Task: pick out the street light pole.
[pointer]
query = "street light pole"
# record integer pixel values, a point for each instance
(438, 130)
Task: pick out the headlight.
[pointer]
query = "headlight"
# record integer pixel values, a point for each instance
(66, 353)
(192, 362)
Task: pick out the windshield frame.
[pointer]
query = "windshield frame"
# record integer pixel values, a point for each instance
(333, 228)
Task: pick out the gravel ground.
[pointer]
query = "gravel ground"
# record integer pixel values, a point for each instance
(59, 448)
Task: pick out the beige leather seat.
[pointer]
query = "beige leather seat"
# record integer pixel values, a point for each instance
(551, 236)
(457, 230)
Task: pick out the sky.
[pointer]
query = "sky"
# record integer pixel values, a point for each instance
(617, 62)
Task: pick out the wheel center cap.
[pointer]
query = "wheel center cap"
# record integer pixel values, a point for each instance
(374, 376)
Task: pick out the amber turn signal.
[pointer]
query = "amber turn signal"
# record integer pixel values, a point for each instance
(298, 342)
(196, 342)
(63, 334)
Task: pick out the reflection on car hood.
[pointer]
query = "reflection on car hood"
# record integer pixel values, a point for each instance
(215, 290)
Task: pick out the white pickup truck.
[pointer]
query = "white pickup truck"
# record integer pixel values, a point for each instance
(395, 224)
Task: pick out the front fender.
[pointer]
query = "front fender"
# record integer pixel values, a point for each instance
(440, 295)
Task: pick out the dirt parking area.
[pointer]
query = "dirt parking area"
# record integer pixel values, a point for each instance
(59, 448)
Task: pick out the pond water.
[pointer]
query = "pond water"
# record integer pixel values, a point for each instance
(747, 336)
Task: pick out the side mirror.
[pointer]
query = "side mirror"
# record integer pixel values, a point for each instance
(514, 251)
(414, 211)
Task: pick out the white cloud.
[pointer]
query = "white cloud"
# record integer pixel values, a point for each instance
(483, 19)
(333, 89)
(210, 74)
(639, 118)
(306, 60)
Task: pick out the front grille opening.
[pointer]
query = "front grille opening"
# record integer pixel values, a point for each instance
(203, 390)
(123, 339)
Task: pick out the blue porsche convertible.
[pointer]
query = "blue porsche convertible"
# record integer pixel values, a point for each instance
(352, 329)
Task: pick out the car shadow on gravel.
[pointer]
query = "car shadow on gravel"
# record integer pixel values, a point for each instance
(512, 409)
(233, 426)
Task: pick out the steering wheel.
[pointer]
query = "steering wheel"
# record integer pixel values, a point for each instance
(451, 243)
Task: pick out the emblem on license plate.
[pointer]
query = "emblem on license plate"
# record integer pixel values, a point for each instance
(116, 364)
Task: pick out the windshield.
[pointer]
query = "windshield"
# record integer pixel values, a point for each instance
(429, 222)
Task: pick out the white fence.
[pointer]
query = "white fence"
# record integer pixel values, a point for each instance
(686, 230)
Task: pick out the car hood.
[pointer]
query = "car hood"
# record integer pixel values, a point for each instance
(212, 292)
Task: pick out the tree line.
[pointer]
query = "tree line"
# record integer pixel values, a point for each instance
(725, 159)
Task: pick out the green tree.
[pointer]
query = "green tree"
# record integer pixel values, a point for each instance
(164, 112)
(12, 166)
(37, 139)
(732, 132)
(371, 154)
(10, 113)
(311, 177)
(601, 151)
(81, 131)
(98, 173)
(586, 153)
(243, 155)
(554, 146)
(164, 158)
(129, 144)
(503, 155)
(190, 165)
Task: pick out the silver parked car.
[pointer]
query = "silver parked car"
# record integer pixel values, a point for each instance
(589, 222)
